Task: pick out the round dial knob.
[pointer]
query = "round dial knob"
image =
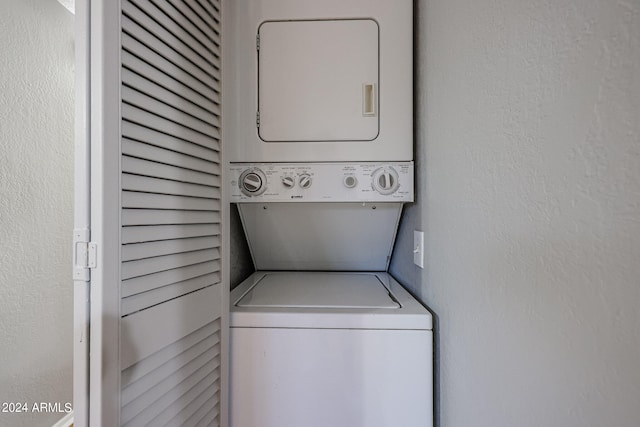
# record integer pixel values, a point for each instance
(288, 181)
(385, 180)
(305, 180)
(252, 182)
(350, 181)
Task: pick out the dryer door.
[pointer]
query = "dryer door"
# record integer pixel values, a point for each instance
(318, 80)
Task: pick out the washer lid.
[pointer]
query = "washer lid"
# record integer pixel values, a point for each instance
(319, 290)
(320, 236)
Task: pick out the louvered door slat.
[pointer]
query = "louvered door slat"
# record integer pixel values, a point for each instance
(170, 240)
(155, 154)
(173, 113)
(146, 266)
(168, 17)
(202, 12)
(168, 171)
(196, 410)
(209, 113)
(137, 43)
(171, 127)
(166, 247)
(196, 19)
(153, 233)
(199, 404)
(208, 383)
(211, 418)
(179, 85)
(164, 186)
(161, 279)
(151, 217)
(172, 353)
(135, 37)
(134, 389)
(136, 400)
(198, 382)
(151, 26)
(160, 170)
(181, 16)
(159, 295)
(131, 199)
(135, 403)
(151, 330)
(133, 132)
(213, 10)
(141, 84)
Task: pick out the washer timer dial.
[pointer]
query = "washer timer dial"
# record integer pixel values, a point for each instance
(305, 180)
(385, 180)
(252, 182)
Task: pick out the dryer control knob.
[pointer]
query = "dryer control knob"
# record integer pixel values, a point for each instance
(252, 182)
(288, 182)
(350, 181)
(305, 180)
(385, 180)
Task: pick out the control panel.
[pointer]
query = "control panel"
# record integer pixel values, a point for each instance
(321, 182)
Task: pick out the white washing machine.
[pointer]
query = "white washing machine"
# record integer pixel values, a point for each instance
(319, 349)
(345, 346)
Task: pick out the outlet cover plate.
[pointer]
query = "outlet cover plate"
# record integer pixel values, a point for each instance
(418, 248)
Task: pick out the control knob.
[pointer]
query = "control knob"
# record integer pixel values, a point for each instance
(350, 181)
(385, 180)
(288, 182)
(305, 180)
(252, 182)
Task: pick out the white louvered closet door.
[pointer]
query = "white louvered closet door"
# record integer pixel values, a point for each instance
(158, 310)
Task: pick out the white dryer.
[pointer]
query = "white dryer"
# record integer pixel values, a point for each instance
(317, 81)
(318, 349)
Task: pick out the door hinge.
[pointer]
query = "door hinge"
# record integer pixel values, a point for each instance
(258, 119)
(258, 42)
(85, 254)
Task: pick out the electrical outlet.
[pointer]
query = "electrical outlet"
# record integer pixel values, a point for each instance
(418, 248)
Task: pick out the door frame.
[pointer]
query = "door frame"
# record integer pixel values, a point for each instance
(97, 212)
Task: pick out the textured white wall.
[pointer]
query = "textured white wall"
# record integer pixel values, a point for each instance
(36, 171)
(528, 149)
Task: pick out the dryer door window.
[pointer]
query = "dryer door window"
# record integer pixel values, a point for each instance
(318, 80)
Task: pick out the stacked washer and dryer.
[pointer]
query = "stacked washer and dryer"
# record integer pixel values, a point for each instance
(320, 148)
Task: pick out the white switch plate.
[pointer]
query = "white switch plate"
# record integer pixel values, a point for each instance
(418, 248)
